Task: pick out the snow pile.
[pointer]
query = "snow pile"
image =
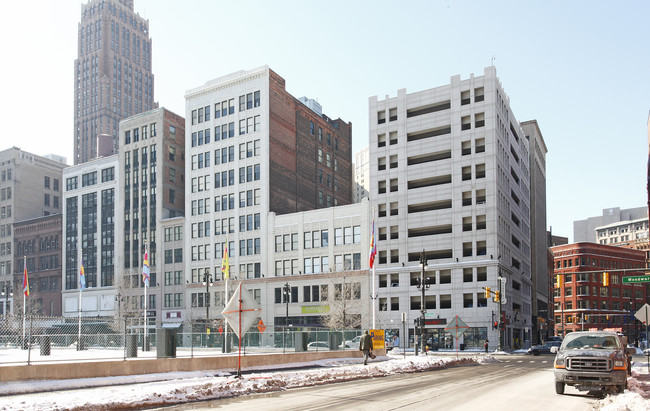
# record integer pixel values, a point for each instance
(636, 397)
(196, 386)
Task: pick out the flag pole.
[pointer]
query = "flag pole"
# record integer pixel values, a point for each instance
(80, 256)
(225, 270)
(373, 296)
(144, 341)
(240, 334)
(24, 297)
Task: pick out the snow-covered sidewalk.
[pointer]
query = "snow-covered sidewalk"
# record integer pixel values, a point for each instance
(181, 387)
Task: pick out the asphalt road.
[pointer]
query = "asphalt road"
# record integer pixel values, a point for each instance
(515, 382)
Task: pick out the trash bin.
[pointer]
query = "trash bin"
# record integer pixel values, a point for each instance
(300, 341)
(462, 347)
(131, 345)
(165, 343)
(45, 345)
(226, 344)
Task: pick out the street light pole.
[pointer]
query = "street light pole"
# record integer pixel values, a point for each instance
(287, 293)
(207, 280)
(423, 285)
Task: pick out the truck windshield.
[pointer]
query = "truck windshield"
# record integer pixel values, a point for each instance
(590, 341)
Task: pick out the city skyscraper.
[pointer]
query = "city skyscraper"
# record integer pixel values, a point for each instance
(113, 78)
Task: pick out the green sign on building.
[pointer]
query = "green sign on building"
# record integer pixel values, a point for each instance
(315, 309)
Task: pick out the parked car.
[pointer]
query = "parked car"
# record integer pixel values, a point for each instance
(318, 345)
(354, 343)
(590, 361)
(543, 349)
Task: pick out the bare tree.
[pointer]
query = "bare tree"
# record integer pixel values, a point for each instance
(345, 304)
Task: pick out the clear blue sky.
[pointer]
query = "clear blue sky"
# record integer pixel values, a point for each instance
(580, 68)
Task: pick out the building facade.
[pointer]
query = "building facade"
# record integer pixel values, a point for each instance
(172, 281)
(152, 186)
(112, 74)
(38, 244)
(89, 222)
(253, 149)
(361, 175)
(540, 270)
(319, 255)
(629, 234)
(30, 187)
(450, 179)
(585, 230)
(583, 301)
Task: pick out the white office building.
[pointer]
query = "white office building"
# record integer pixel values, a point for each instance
(449, 170)
(89, 209)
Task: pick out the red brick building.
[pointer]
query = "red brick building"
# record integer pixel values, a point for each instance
(582, 301)
(310, 155)
(38, 243)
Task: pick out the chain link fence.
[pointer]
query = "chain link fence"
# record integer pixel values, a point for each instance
(35, 339)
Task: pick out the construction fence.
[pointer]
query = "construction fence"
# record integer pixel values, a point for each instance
(32, 339)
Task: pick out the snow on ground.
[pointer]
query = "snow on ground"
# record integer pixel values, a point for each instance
(181, 387)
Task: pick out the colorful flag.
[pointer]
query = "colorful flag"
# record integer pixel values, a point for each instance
(82, 276)
(145, 270)
(373, 245)
(25, 280)
(225, 265)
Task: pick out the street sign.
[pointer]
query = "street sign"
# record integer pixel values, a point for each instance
(637, 279)
(643, 313)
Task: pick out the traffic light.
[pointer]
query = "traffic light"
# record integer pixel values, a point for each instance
(487, 292)
(558, 281)
(497, 296)
(605, 279)
(495, 324)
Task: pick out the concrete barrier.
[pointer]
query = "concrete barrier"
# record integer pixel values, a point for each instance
(137, 366)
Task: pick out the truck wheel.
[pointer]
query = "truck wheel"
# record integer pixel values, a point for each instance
(559, 387)
(620, 389)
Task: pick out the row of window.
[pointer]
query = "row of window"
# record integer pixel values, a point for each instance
(134, 135)
(5, 194)
(595, 262)
(5, 211)
(47, 203)
(89, 179)
(5, 175)
(55, 183)
(226, 107)
(586, 304)
(316, 239)
(315, 265)
(585, 291)
(321, 292)
(445, 277)
(143, 157)
(226, 155)
(173, 256)
(173, 233)
(470, 300)
(5, 230)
